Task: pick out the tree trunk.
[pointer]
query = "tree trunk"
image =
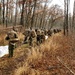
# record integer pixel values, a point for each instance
(3, 12)
(32, 19)
(66, 17)
(22, 14)
(7, 14)
(16, 13)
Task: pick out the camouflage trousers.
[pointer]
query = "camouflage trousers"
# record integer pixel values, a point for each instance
(12, 46)
(32, 41)
(38, 39)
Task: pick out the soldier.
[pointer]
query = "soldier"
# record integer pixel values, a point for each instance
(58, 30)
(26, 34)
(42, 36)
(55, 31)
(13, 38)
(49, 32)
(46, 32)
(38, 38)
(32, 37)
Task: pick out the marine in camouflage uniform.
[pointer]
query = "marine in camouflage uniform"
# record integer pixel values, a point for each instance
(26, 38)
(38, 38)
(55, 31)
(49, 32)
(32, 37)
(42, 36)
(12, 37)
(46, 32)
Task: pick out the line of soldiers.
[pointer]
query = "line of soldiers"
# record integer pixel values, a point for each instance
(38, 36)
(32, 37)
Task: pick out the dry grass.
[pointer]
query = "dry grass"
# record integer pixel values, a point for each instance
(2, 38)
(41, 60)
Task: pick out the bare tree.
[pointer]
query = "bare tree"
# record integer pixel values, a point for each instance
(66, 17)
(3, 12)
(0, 12)
(22, 13)
(32, 19)
(16, 10)
(7, 13)
(73, 19)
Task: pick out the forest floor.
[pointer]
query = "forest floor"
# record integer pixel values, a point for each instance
(56, 56)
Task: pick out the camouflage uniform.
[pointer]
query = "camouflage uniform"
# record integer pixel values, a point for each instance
(42, 37)
(49, 33)
(11, 36)
(55, 31)
(38, 38)
(46, 32)
(11, 48)
(32, 37)
(26, 34)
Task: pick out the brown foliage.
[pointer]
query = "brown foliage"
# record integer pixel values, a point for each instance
(42, 60)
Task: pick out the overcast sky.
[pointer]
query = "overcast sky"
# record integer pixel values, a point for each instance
(61, 3)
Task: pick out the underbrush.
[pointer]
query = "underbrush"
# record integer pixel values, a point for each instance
(41, 60)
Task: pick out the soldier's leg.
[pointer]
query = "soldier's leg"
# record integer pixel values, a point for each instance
(9, 53)
(9, 50)
(13, 47)
(40, 39)
(37, 41)
(33, 41)
(30, 41)
(12, 53)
